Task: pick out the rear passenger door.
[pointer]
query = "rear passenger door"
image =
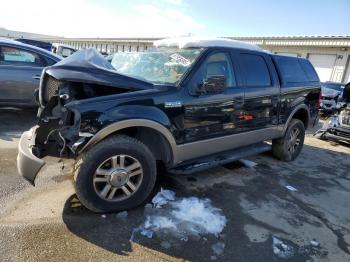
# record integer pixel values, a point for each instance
(261, 95)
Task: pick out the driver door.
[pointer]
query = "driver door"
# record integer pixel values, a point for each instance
(215, 111)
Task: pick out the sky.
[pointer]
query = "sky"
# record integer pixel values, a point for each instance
(164, 18)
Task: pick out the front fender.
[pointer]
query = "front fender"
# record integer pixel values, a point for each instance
(133, 116)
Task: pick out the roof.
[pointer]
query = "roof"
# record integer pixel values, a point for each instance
(63, 45)
(188, 42)
(38, 49)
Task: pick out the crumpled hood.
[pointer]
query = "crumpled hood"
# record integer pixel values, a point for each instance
(89, 66)
(330, 92)
(87, 58)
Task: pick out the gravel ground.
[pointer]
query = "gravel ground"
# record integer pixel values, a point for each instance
(47, 223)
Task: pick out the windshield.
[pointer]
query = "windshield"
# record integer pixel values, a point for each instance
(159, 66)
(333, 86)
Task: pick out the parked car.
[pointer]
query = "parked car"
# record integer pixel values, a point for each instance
(20, 70)
(188, 105)
(42, 44)
(331, 91)
(337, 127)
(63, 50)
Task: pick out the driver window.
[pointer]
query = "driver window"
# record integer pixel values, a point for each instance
(214, 65)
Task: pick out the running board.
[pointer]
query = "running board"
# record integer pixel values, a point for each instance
(222, 158)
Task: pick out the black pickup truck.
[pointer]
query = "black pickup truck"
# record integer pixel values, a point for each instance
(187, 105)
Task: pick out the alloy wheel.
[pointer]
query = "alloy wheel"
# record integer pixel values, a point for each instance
(118, 178)
(294, 140)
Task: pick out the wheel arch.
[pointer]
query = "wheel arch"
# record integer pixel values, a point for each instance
(300, 112)
(155, 136)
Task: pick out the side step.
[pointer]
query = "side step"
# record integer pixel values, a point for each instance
(222, 158)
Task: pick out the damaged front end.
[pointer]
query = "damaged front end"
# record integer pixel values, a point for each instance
(84, 76)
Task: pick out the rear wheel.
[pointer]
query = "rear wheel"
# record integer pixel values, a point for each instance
(289, 146)
(117, 174)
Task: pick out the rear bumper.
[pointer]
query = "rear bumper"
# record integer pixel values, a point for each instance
(28, 165)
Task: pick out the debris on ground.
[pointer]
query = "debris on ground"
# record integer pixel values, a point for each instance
(218, 248)
(281, 249)
(248, 163)
(181, 217)
(314, 243)
(103, 216)
(163, 197)
(122, 215)
(291, 188)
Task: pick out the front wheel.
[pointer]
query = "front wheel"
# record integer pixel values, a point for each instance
(117, 174)
(288, 147)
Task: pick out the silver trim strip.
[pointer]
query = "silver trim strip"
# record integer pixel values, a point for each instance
(191, 150)
(214, 145)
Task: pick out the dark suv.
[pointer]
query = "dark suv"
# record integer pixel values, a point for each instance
(188, 104)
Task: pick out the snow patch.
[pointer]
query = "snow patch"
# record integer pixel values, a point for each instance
(291, 188)
(281, 249)
(181, 217)
(163, 197)
(193, 42)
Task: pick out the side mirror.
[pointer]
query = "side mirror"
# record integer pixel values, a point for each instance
(214, 84)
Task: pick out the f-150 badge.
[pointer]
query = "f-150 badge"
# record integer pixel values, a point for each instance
(174, 104)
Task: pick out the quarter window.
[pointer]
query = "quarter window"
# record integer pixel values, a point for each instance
(15, 56)
(255, 70)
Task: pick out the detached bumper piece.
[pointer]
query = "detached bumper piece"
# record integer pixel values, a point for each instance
(28, 164)
(338, 134)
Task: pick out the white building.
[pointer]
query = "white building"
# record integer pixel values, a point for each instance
(330, 55)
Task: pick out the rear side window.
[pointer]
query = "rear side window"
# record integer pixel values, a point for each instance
(255, 70)
(309, 70)
(19, 57)
(293, 71)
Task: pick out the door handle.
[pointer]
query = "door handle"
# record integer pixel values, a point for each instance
(37, 77)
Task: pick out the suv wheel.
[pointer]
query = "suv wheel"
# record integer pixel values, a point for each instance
(288, 147)
(117, 174)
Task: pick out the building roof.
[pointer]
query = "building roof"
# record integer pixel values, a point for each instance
(188, 42)
(321, 41)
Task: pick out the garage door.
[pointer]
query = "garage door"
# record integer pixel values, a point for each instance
(324, 65)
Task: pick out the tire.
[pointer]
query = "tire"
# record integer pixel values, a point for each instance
(104, 168)
(281, 148)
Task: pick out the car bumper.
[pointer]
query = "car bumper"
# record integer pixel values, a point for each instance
(28, 164)
(338, 134)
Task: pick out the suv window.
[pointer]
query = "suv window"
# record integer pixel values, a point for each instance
(67, 51)
(255, 70)
(309, 70)
(214, 65)
(20, 57)
(291, 70)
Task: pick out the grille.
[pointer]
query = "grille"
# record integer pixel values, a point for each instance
(50, 87)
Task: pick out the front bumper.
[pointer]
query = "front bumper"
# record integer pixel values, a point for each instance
(338, 134)
(28, 165)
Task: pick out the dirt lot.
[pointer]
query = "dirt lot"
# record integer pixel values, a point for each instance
(46, 223)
